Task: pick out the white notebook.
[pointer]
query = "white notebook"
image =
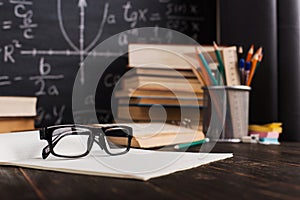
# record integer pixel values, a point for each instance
(24, 149)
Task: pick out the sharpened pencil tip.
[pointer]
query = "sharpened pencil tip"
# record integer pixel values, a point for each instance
(251, 50)
(259, 51)
(240, 50)
(256, 57)
(215, 45)
(197, 50)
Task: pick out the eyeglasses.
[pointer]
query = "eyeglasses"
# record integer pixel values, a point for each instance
(74, 141)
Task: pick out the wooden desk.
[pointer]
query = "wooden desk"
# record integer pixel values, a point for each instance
(255, 172)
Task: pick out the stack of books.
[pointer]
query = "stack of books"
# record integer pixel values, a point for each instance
(267, 133)
(17, 113)
(161, 77)
(165, 91)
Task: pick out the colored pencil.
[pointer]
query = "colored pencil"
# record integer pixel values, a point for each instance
(247, 72)
(207, 68)
(252, 70)
(242, 70)
(201, 70)
(260, 57)
(190, 144)
(250, 53)
(240, 52)
(221, 65)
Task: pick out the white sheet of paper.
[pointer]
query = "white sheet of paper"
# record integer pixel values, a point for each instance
(24, 149)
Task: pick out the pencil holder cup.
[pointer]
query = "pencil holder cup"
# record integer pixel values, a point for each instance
(228, 107)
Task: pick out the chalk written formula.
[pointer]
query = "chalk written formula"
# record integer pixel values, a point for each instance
(44, 43)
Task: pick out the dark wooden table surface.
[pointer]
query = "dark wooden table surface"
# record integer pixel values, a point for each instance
(255, 172)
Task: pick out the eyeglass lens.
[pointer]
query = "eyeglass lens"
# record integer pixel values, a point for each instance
(71, 141)
(77, 141)
(114, 137)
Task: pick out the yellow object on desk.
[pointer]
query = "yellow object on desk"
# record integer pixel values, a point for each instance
(271, 127)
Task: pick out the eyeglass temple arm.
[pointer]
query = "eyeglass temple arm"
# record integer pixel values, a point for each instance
(99, 142)
(46, 150)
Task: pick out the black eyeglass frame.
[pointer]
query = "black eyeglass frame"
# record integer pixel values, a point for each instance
(47, 134)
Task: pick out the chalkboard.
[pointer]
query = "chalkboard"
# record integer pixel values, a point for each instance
(43, 44)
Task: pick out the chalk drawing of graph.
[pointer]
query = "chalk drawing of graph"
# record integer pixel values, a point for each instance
(82, 49)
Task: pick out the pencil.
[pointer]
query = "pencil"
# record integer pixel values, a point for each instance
(201, 70)
(214, 96)
(259, 51)
(247, 72)
(242, 70)
(260, 57)
(207, 68)
(252, 70)
(221, 65)
(190, 144)
(250, 53)
(255, 63)
(240, 52)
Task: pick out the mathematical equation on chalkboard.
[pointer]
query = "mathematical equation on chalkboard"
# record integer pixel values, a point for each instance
(44, 43)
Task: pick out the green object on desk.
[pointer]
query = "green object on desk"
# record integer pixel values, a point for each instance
(190, 144)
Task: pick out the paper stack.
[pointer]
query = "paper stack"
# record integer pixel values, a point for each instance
(24, 149)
